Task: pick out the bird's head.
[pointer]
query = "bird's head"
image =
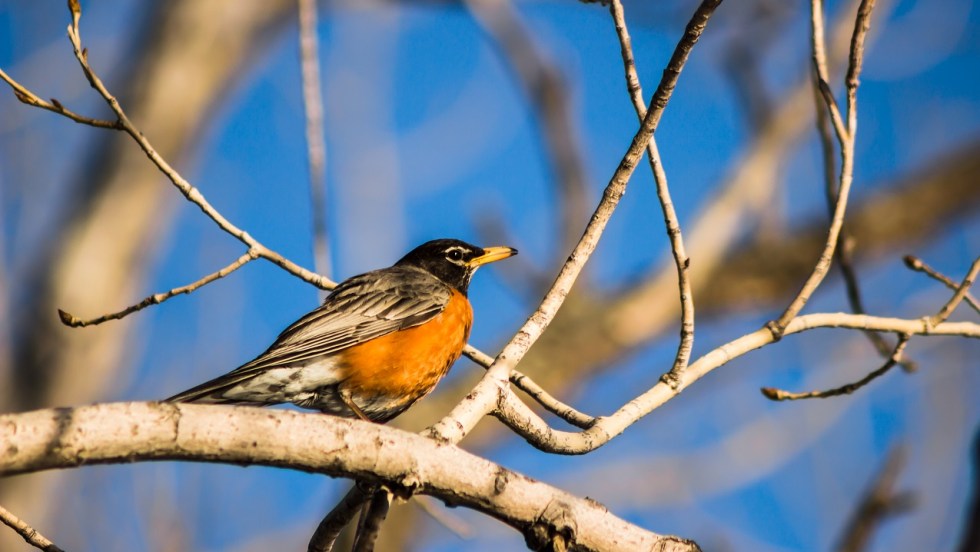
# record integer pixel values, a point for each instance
(453, 261)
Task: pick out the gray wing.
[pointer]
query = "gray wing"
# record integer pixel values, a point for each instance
(359, 309)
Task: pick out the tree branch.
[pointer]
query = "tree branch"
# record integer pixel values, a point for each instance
(846, 138)
(484, 397)
(957, 297)
(69, 319)
(681, 261)
(30, 534)
(189, 191)
(128, 432)
(517, 416)
(780, 395)
(916, 264)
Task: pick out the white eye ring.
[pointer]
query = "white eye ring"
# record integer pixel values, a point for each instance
(454, 254)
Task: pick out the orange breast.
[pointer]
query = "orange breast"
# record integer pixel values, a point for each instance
(407, 364)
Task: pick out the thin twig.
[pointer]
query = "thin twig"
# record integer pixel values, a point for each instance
(846, 137)
(957, 297)
(190, 192)
(681, 260)
(30, 98)
(879, 502)
(919, 265)
(485, 398)
(535, 391)
(316, 148)
(29, 534)
(843, 254)
(69, 319)
(822, 73)
(334, 522)
(780, 395)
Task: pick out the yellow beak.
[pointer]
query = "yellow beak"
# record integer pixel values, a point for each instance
(492, 254)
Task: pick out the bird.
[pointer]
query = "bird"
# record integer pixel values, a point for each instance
(379, 342)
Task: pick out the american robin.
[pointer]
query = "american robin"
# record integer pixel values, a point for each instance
(380, 341)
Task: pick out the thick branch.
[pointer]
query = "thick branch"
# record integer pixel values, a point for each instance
(127, 432)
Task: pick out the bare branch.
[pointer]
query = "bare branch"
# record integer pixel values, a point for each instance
(30, 534)
(484, 397)
(599, 329)
(944, 312)
(845, 244)
(69, 319)
(190, 192)
(681, 260)
(919, 265)
(30, 98)
(821, 73)
(517, 416)
(957, 297)
(316, 148)
(127, 432)
(779, 395)
(846, 139)
(526, 384)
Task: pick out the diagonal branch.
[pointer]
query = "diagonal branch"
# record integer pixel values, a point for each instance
(372, 516)
(538, 393)
(957, 297)
(484, 397)
(30, 534)
(69, 319)
(918, 265)
(30, 98)
(124, 124)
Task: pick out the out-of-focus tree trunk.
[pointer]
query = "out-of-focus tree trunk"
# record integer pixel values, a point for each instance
(188, 54)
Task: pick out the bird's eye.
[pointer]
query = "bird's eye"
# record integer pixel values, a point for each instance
(454, 255)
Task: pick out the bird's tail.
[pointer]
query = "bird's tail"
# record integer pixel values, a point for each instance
(213, 391)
